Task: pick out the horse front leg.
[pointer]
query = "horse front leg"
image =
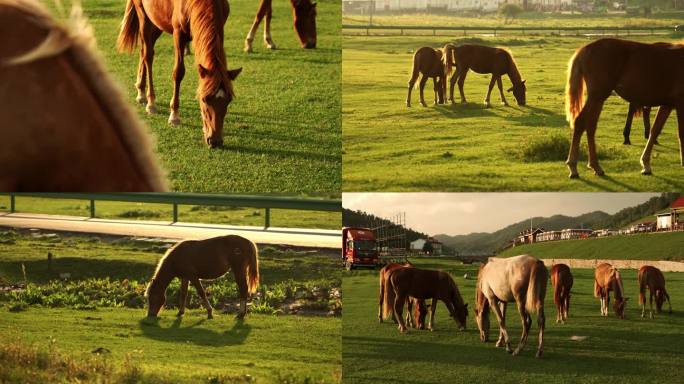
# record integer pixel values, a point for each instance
(150, 35)
(183, 296)
(423, 80)
(268, 39)
(661, 118)
(680, 132)
(411, 84)
(264, 6)
(499, 83)
(489, 91)
(501, 318)
(628, 125)
(203, 295)
(398, 311)
(179, 41)
(650, 303)
(461, 82)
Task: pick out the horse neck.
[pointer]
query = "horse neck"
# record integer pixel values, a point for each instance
(618, 285)
(513, 72)
(161, 279)
(206, 28)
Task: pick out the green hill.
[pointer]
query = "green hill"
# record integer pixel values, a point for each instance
(653, 246)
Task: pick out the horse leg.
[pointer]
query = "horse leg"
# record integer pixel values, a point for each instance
(433, 308)
(541, 324)
(150, 35)
(179, 42)
(141, 81)
(398, 309)
(587, 117)
(423, 80)
(501, 317)
(628, 124)
(650, 302)
(461, 82)
(203, 295)
(501, 92)
(680, 132)
(642, 299)
(526, 320)
(411, 84)
(452, 84)
(500, 342)
(381, 297)
(661, 118)
(409, 313)
(434, 86)
(593, 162)
(268, 40)
(261, 12)
(183, 297)
(668, 300)
(489, 91)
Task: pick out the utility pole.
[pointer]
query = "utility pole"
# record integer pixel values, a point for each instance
(372, 9)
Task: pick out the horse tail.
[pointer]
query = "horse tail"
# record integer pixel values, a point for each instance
(389, 297)
(597, 289)
(252, 274)
(574, 89)
(536, 288)
(130, 30)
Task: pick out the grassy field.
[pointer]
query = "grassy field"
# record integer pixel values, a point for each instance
(655, 246)
(239, 216)
(267, 347)
(389, 147)
(633, 350)
(282, 131)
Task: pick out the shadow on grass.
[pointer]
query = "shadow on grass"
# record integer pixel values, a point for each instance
(463, 110)
(194, 334)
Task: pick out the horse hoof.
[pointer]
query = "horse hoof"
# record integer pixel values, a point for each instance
(240, 316)
(151, 109)
(271, 46)
(539, 354)
(646, 173)
(574, 176)
(174, 121)
(516, 352)
(210, 316)
(599, 173)
(627, 143)
(141, 100)
(180, 314)
(423, 104)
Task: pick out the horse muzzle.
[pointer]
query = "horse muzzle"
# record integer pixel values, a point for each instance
(311, 44)
(214, 142)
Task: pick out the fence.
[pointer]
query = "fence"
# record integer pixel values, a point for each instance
(409, 30)
(176, 199)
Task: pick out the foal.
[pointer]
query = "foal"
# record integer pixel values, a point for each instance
(607, 278)
(428, 62)
(561, 279)
(653, 279)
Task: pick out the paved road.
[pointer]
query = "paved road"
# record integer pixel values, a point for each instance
(175, 231)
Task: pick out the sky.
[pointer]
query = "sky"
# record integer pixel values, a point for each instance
(463, 213)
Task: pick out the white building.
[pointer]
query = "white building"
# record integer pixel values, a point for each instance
(462, 5)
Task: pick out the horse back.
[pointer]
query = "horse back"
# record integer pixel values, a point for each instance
(428, 61)
(421, 283)
(209, 258)
(483, 59)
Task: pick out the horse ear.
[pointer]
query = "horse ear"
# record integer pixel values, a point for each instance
(233, 73)
(523, 82)
(203, 72)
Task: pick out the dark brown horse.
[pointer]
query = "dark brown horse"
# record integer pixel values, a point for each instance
(635, 111)
(65, 123)
(561, 279)
(642, 74)
(416, 309)
(482, 59)
(652, 278)
(428, 63)
(521, 279)
(426, 284)
(192, 260)
(607, 278)
(198, 20)
(304, 20)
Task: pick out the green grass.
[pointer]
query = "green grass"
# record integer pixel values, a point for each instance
(633, 350)
(388, 147)
(282, 131)
(238, 216)
(655, 246)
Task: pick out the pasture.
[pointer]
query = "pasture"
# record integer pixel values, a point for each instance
(93, 291)
(633, 350)
(466, 147)
(282, 131)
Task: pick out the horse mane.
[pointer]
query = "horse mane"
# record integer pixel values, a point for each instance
(513, 71)
(158, 268)
(206, 28)
(619, 288)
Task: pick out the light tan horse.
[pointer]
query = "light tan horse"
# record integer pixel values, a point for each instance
(607, 278)
(198, 20)
(652, 278)
(303, 19)
(64, 122)
(192, 260)
(521, 279)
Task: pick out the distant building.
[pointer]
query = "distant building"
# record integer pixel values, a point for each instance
(668, 221)
(528, 236)
(571, 234)
(549, 236)
(419, 245)
(363, 6)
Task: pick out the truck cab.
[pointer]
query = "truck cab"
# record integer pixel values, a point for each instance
(359, 248)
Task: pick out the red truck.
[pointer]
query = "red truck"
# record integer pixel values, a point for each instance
(359, 248)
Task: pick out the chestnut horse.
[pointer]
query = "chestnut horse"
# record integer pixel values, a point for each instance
(416, 308)
(635, 111)
(198, 20)
(642, 74)
(428, 62)
(192, 260)
(425, 284)
(482, 59)
(304, 20)
(607, 278)
(561, 279)
(521, 279)
(653, 279)
(66, 125)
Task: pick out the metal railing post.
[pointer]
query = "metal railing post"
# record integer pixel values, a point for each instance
(267, 218)
(12, 203)
(175, 212)
(92, 209)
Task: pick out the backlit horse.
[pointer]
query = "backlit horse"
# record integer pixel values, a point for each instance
(304, 20)
(561, 279)
(642, 74)
(198, 20)
(426, 284)
(192, 260)
(65, 124)
(652, 278)
(607, 278)
(428, 63)
(416, 309)
(482, 59)
(521, 279)
(635, 111)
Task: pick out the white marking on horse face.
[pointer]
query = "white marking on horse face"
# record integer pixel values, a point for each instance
(220, 94)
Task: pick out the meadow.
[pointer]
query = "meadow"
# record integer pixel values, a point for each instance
(633, 350)
(282, 131)
(93, 290)
(467, 147)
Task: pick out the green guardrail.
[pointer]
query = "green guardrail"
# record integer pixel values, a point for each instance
(175, 199)
(496, 30)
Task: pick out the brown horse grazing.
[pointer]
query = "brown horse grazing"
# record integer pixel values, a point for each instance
(192, 260)
(425, 284)
(416, 308)
(607, 278)
(653, 279)
(304, 20)
(643, 74)
(521, 279)
(198, 20)
(65, 123)
(561, 279)
(482, 59)
(428, 62)
(636, 111)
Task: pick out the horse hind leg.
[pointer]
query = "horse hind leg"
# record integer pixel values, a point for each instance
(141, 81)
(411, 84)
(500, 313)
(423, 80)
(661, 118)
(244, 293)
(541, 323)
(264, 5)
(680, 132)
(526, 320)
(150, 34)
(592, 122)
(268, 39)
(183, 297)
(499, 83)
(433, 308)
(489, 92)
(180, 42)
(203, 295)
(398, 309)
(628, 125)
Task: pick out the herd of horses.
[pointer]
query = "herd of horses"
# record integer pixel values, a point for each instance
(645, 75)
(521, 280)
